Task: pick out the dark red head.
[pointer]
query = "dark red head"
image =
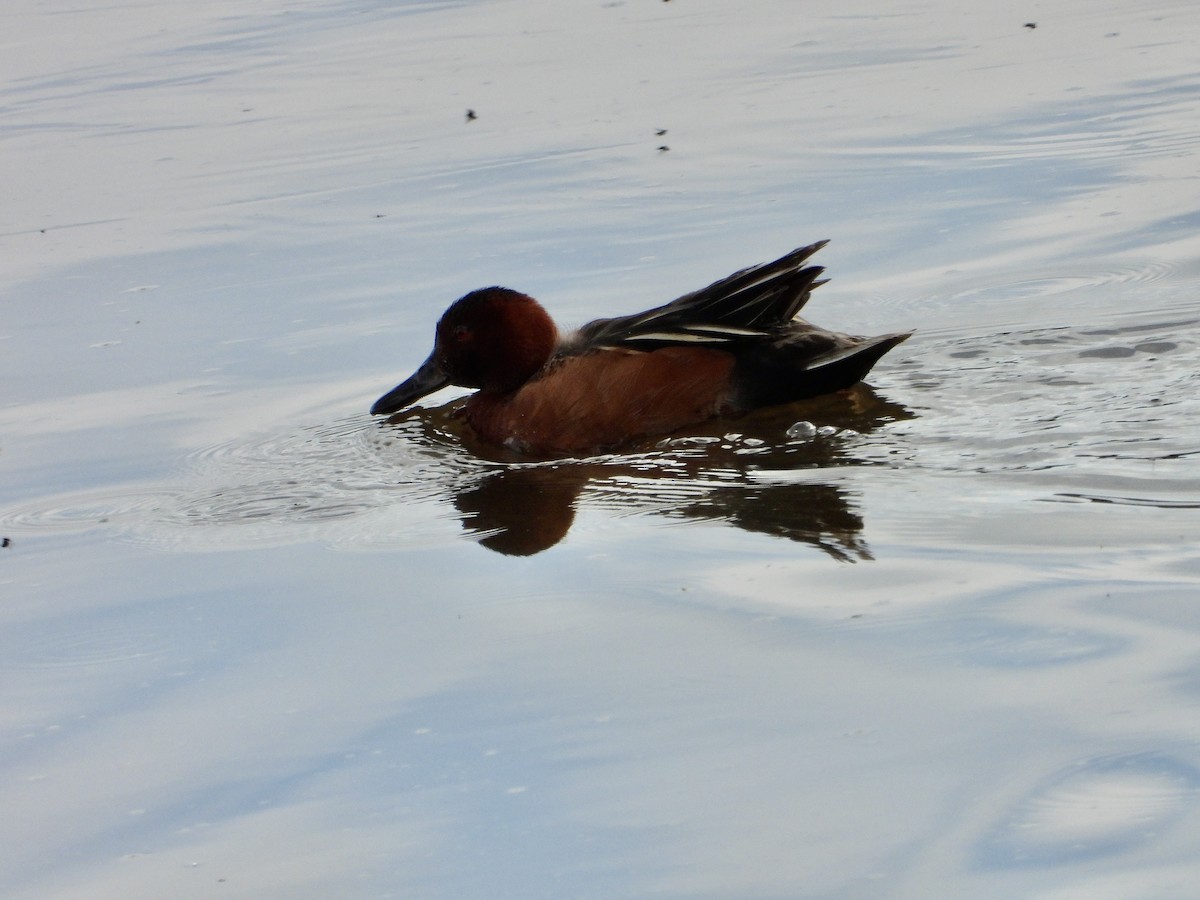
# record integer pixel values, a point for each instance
(493, 339)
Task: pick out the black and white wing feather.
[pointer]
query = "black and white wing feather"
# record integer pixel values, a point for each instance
(748, 305)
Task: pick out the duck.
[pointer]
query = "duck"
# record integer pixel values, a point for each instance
(722, 351)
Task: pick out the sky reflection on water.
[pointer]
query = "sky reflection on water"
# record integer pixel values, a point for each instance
(257, 644)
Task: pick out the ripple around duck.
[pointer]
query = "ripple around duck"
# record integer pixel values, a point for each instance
(268, 488)
(1106, 426)
(414, 480)
(1097, 402)
(84, 510)
(1099, 808)
(307, 484)
(1034, 400)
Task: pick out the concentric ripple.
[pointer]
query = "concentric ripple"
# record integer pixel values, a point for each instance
(74, 512)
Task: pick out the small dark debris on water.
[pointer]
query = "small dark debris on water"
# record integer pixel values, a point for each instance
(660, 132)
(380, 215)
(1031, 25)
(471, 117)
(6, 542)
(663, 148)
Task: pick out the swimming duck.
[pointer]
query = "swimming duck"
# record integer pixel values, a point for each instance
(734, 346)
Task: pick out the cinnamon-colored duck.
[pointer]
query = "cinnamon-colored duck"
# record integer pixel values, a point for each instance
(731, 347)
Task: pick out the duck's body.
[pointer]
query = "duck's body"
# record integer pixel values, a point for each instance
(734, 346)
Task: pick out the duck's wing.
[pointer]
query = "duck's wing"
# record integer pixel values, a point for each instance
(744, 305)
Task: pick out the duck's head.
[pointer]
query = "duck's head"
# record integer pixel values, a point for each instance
(493, 339)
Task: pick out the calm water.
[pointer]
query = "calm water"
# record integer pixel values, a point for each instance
(936, 637)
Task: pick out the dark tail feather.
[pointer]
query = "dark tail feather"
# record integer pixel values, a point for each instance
(836, 370)
(852, 364)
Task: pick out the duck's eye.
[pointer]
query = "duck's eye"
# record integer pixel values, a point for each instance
(460, 332)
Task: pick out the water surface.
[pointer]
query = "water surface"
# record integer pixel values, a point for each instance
(933, 637)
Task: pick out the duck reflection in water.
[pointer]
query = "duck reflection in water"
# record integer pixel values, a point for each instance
(757, 480)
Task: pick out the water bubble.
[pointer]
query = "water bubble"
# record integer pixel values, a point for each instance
(802, 431)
